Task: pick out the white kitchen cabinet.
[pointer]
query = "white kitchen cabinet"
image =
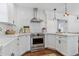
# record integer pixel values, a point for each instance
(46, 41)
(16, 46)
(11, 13)
(28, 48)
(7, 12)
(9, 49)
(58, 43)
(23, 44)
(67, 45)
(3, 12)
(61, 44)
(50, 41)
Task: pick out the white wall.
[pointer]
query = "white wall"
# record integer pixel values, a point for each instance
(23, 17)
(5, 16)
(51, 24)
(73, 24)
(3, 12)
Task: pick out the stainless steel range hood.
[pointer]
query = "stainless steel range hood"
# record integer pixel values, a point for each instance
(35, 19)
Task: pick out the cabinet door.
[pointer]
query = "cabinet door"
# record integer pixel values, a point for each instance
(73, 45)
(10, 49)
(7, 12)
(58, 44)
(11, 13)
(27, 43)
(46, 41)
(50, 41)
(6, 51)
(22, 44)
(64, 46)
(14, 47)
(61, 44)
(3, 12)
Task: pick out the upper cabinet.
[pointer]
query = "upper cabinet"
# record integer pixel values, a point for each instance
(7, 13)
(11, 13)
(3, 12)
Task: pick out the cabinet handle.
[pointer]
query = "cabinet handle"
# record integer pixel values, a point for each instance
(59, 41)
(18, 39)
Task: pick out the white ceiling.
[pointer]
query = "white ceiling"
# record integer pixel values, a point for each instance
(72, 7)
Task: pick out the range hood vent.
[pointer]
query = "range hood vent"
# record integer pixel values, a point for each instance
(35, 19)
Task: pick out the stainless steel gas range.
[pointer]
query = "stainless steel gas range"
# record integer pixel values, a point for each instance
(37, 41)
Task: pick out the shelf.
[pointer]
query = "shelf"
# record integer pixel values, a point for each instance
(7, 23)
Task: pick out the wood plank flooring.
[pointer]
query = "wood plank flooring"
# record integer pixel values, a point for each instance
(42, 52)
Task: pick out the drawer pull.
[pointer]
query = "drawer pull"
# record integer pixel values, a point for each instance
(59, 41)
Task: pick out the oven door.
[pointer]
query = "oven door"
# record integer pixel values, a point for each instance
(37, 41)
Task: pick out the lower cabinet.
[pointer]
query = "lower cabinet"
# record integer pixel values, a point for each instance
(23, 44)
(61, 44)
(17, 47)
(67, 45)
(50, 41)
(27, 44)
(9, 49)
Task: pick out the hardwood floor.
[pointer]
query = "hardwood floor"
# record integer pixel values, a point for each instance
(43, 52)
